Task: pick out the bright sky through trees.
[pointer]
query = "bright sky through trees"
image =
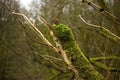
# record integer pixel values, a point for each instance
(25, 2)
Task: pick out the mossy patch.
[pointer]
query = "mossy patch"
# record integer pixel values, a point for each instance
(63, 32)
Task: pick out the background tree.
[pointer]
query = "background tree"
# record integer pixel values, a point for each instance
(16, 56)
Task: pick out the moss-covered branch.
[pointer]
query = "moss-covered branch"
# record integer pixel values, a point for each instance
(104, 58)
(60, 50)
(75, 54)
(103, 66)
(105, 32)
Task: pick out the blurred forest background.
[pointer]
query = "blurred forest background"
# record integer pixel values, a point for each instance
(24, 56)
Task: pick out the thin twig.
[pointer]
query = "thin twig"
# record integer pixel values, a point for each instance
(92, 25)
(58, 59)
(104, 31)
(55, 63)
(36, 30)
(104, 12)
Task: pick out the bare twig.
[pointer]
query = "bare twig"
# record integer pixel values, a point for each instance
(103, 31)
(96, 26)
(104, 12)
(36, 30)
(58, 59)
(54, 62)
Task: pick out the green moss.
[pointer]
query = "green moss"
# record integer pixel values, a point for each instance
(65, 36)
(75, 54)
(63, 32)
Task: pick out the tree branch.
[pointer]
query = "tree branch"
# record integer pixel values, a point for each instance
(103, 11)
(103, 66)
(103, 31)
(36, 30)
(55, 63)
